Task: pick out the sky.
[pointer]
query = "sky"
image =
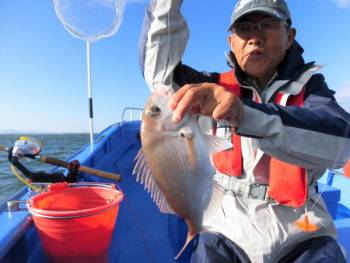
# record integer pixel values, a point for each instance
(43, 84)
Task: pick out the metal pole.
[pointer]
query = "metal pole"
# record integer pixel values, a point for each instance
(91, 115)
(330, 177)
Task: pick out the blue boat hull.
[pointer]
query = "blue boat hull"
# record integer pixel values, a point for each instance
(142, 233)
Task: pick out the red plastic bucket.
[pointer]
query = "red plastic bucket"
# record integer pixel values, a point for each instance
(76, 221)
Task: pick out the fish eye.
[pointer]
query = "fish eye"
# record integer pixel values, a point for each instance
(154, 110)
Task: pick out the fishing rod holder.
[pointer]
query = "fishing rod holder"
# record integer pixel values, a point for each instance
(16, 205)
(41, 176)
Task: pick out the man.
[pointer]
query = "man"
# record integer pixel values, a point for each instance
(287, 129)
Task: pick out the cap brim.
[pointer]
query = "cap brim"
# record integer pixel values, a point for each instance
(264, 10)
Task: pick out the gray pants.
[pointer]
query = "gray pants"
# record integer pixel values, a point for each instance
(215, 248)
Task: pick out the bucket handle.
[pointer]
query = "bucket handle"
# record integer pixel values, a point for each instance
(62, 185)
(83, 184)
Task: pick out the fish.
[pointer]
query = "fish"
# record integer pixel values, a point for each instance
(174, 163)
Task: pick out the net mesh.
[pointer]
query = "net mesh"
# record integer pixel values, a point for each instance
(90, 20)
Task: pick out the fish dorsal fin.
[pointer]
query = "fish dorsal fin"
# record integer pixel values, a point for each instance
(145, 177)
(217, 144)
(215, 201)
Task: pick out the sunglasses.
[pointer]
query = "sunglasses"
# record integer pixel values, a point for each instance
(267, 25)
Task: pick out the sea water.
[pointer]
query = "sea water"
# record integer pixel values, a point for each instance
(59, 146)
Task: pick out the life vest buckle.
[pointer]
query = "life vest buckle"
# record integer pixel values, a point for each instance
(258, 191)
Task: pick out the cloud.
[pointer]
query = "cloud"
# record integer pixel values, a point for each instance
(343, 95)
(342, 3)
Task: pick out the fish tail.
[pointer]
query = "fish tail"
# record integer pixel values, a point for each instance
(190, 235)
(188, 240)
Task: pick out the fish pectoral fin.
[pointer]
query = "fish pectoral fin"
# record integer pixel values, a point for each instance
(217, 144)
(214, 202)
(145, 177)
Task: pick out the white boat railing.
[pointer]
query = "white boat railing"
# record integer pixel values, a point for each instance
(133, 114)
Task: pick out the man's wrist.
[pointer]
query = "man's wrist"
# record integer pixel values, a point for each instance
(236, 115)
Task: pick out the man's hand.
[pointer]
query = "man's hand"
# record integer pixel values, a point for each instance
(208, 99)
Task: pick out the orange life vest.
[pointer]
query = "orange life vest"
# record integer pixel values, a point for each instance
(287, 182)
(347, 169)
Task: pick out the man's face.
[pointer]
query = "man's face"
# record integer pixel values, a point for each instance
(259, 52)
